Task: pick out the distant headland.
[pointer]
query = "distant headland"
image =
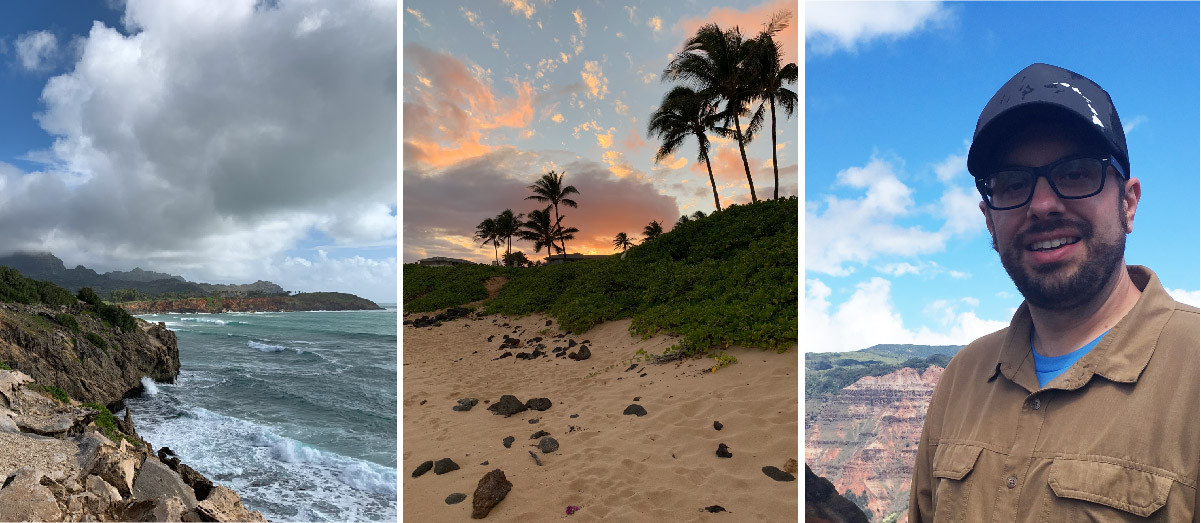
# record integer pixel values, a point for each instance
(140, 291)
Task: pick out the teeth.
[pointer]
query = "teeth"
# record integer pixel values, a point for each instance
(1050, 244)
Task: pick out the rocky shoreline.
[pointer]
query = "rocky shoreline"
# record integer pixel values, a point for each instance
(63, 461)
(314, 301)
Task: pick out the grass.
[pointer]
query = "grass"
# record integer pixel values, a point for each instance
(727, 279)
(106, 422)
(4, 366)
(56, 393)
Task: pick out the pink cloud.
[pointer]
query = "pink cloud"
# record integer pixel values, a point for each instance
(750, 22)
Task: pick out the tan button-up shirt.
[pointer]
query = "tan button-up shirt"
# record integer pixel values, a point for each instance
(1113, 438)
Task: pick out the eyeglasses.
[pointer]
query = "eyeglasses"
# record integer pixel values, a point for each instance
(1071, 178)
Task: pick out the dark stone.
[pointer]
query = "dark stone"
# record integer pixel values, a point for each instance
(717, 425)
(423, 468)
(715, 509)
(574, 416)
(635, 409)
(422, 402)
(583, 354)
(523, 355)
(167, 456)
(465, 404)
(723, 451)
(445, 465)
(505, 355)
(455, 498)
(201, 485)
(484, 464)
(631, 367)
(643, 375)
(538, 404)
(156, 480)
(548, 444)
(777, 474)
(535, 339)
(535, 420)
(490, 491)
(539, 434)
(548, 322)
(508, 405)
(509, 441)
(571, 343)
(490, 338)
(636, 398)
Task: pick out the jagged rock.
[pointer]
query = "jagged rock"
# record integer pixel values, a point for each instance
(538, 404)
(61, 424)
(157, 481)
(582, 355)
(509, 441)
(548, 444)
(455, 498)
(102, 490)
(89, 450)
(169, 509)
(635, 409)
(168, 457)
(790, 466)
(117, 468)
(571, 343)
(445, 465)
(126, 425)
(201, 485)
(508, 405)
(777, 474)
(717, 425)
(465, 404)
(24, 498)
(490, 491)
(423, 468)
(223, 505)
(539, 434)
(823, 501)
(723, 451)
(10, 385)
(7, 425)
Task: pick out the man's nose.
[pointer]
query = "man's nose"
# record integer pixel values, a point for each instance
(1044, 202)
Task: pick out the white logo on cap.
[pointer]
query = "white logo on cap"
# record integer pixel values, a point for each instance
(1096, 120)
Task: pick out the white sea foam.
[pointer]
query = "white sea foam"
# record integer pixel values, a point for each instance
(204, 320)
(265, 347)
(148, 386)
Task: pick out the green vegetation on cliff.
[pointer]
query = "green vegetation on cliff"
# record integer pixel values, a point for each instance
(830, 372)
(729, 278)
(15, 288)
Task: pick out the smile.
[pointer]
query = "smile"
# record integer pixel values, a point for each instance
(1052, 244)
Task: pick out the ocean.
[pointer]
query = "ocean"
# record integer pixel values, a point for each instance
(295, 411)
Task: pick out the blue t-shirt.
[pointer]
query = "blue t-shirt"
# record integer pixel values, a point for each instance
(1049, 367)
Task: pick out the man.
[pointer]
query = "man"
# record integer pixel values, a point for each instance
(1086, 407)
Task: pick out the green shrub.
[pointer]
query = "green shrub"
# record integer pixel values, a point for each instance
(87, 295)
(432, 288)
(68, 321)
(107, 422)
(116, 316)
(97, 341)
(16, 288)
(4, 366)
(56, 393)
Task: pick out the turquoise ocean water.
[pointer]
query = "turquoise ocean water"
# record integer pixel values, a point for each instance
(295, 411)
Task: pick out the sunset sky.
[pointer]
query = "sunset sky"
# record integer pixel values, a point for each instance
(495, 94)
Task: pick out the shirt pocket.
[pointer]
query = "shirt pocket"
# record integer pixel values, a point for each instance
(1085, 490)
(953, 465)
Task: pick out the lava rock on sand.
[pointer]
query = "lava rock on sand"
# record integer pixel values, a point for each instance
(490, 491)
(777, 474)
(635, 409)
(723, 451)
(445, 465)
(507, 406)
(465, 404)
(423, 468)
(538, 404)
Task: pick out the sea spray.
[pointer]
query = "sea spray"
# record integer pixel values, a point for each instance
(149, 388)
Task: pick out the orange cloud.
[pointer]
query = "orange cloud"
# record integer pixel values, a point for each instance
(634, 140)
(750, 22)
(594, 78)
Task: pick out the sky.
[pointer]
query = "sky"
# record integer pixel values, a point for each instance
(224, 142)
(896, 250)
(496, 94)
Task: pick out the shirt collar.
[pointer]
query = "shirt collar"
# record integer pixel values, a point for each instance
(1120, 357)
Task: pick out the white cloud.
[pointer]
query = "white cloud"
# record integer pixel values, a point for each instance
(1132, 123)
(655, 23)
(154, 164)
(834, 26)
(952, 168)
(417, 14)
(841, 328)
(1188, 297)
(35, 49)
(371, 279)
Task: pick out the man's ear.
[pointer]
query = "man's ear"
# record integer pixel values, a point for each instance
(1134, 191)
(987, 217)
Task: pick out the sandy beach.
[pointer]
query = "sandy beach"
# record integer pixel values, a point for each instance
(658, 467)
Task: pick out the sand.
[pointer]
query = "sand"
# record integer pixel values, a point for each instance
(658, 467)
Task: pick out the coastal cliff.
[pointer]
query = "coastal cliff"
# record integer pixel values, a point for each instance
(309, 301)
(864, 438)
(70, 347)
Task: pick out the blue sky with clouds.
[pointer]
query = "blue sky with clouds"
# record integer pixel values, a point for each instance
(896, 250)
(224, 142)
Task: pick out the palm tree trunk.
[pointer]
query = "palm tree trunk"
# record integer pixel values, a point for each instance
(745, 165)
(495, 254)
(562, 241)
(771, 100)
(712, 183)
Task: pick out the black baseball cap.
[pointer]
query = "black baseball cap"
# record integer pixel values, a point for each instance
(1047, 92)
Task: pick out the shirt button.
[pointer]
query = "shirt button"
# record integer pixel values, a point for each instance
(1011, 482)
(1035, 404)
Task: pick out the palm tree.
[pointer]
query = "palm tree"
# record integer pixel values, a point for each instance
(652, 230)
(683, 219)
(622, 242)
(507, 225)
(698, 215)
(549, 188)
(714, 61)
(769, 77)
(684, 112)
(486, 232)
(538, 229)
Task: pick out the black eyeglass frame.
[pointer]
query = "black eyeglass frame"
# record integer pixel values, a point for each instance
(1044, 172)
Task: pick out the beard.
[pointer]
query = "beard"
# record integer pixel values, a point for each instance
(1045, 286)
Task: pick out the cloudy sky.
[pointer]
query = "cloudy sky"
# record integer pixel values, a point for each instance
(225, 142)
(497, 93)
(896, 250)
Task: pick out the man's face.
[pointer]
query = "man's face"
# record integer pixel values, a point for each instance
(1060, 253)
